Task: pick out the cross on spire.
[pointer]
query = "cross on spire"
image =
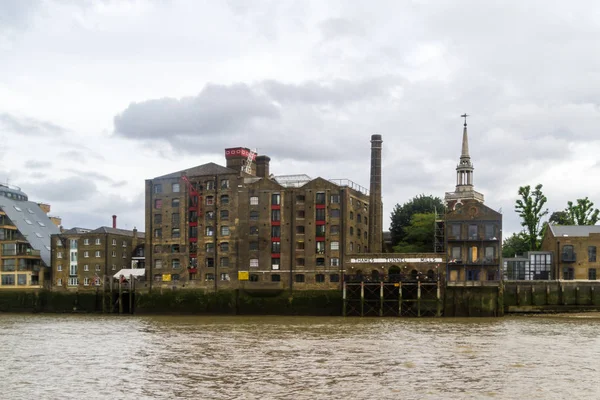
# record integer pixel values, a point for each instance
(465, 115)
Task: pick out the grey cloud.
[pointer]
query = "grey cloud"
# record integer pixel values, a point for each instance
(227, 116)
(216, 110)
(336, 92)
(30, 126)
(91, 175)
(67, 190)
(37, 164)
(16, 14)
(333, 28)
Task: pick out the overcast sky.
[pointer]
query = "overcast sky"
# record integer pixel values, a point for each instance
(97, 96)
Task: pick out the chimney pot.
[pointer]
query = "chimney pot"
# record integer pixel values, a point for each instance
(114, 221)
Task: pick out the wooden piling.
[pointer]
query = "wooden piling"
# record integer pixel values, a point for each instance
(399, 299)
(120, 297)
(418, 298)
(381, 299)
(439, 300)
(131, 283)
(362, 299)
(344, 306)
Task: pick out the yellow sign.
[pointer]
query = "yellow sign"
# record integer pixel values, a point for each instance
(243, 275)
(396, 284)
(166, 277)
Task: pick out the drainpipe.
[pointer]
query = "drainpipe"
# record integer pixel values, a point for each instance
(293, 238)
(216, 229)
(557, 260)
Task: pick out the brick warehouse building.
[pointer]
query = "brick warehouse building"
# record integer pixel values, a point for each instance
(239, 226)
(84, 259)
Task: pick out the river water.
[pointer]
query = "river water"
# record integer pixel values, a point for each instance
(139, 357)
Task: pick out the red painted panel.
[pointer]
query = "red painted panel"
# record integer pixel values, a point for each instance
(319, 222)
(320, 205)
(275, 255)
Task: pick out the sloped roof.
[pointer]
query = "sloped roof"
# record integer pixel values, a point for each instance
(117, 231)
(75, 231)
(205, 169)
(33, 223)
(574, 230)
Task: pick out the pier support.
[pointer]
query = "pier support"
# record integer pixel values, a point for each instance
(381, 299)
(344, 299)
(362, 299)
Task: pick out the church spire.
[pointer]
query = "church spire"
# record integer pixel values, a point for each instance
(464, 173)
(464, 169)
(465, 140)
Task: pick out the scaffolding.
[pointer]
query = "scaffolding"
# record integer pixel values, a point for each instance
(439, 243)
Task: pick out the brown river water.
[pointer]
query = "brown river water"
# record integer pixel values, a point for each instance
(148, 357)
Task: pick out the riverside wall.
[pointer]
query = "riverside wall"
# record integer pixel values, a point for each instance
(189, 301)
(466, 300)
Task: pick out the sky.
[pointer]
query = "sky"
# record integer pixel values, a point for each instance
(97, 96)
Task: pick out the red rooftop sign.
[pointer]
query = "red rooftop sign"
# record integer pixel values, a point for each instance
(239, 152)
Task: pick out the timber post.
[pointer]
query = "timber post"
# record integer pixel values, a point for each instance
(131, 283)
(362, 298)
(419, 298)
(399, 299)
(120, 296)
(344, 299)
(381, 299)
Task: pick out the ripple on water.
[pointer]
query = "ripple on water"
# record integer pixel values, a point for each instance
(98, 357)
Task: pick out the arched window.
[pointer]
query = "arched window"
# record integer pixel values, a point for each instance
(374, 275)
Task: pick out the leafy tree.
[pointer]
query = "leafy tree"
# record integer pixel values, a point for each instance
(583, 213)
(402, 214)
(518, 243)
(418, 234)
(559, 218)
(530, 208)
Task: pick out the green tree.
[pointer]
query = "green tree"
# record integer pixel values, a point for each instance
(518, 243)
(583, 213)
(530, 208)
(559, 218)
(419, 234)
(402, 214)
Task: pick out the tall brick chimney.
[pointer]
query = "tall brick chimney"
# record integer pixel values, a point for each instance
(262, 166)
(375, 203)
(114, 221)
